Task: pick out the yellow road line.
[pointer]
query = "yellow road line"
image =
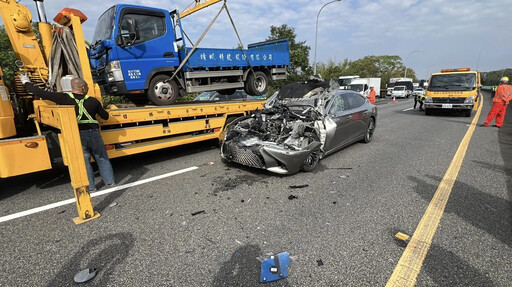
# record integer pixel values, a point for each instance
(409, 266)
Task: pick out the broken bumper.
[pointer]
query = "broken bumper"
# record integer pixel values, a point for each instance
(273, 158)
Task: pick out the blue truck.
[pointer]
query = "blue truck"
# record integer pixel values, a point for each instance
(140, 53)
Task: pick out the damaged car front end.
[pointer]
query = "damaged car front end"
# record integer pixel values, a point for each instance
(288, 135)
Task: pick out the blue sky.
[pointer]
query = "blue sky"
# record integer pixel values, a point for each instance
(454, 33)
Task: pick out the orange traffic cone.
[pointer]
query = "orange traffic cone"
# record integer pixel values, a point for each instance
(394, 100)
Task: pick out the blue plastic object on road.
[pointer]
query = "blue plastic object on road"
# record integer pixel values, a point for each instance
(275, 268)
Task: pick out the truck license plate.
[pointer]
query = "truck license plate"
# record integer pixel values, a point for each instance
(447, 106)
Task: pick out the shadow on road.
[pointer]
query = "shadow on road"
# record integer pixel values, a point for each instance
(458, 273)
(482, 210)
(104, 254)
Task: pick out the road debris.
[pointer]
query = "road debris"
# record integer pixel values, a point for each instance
(198, 212)
(298, 186)
(292, 197)
(112, 204)
(85, 275)
(275, 268)
(320, 262)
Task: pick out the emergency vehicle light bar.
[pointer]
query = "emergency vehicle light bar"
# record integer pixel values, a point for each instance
(456, 70)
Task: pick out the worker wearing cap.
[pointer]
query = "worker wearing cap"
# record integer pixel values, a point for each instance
(86, 109)
(499, 103)
(371, 95)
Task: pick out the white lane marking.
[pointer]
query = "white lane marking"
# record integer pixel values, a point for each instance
(407, 109)
(98, 193)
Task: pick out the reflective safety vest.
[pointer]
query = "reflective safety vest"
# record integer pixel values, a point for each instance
(503, 94)
(82, 111)
(421, 97)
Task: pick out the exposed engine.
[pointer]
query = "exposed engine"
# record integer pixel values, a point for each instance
(277, 125)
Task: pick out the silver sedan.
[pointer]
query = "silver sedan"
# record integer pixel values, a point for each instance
(300, 124)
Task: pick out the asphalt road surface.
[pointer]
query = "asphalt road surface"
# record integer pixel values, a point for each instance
(209, 226)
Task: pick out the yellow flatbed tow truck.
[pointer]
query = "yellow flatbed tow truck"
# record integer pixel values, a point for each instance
(129, 130)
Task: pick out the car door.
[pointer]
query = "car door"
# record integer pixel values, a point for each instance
(359, 114)
(337, 123)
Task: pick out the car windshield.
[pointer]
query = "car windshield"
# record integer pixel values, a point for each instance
(204, 96)
(399, 88)
(356, 87)
(104, 26)
(453, 82)
(344, 82)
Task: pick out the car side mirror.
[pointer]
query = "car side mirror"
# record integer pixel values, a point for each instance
(131, 34)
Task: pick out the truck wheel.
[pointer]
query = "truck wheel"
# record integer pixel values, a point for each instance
(257, 83)
(163, 93)
(428, 112)
(467, 113)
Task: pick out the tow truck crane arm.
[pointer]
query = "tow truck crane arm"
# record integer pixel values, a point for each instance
(196, 6)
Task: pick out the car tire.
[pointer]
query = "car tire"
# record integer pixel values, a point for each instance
(256, 84)
(370, 129)
(311, 162)
(163, 93)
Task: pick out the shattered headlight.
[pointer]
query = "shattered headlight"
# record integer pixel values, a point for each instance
(429, 100)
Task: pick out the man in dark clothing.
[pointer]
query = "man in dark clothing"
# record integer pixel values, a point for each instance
(86, 109)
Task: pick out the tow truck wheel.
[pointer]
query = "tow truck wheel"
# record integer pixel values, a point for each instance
(257, 83)
(467, 113)
(163, 93)
(428, 112)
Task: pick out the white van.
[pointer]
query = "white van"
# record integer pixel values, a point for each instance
(399, 92)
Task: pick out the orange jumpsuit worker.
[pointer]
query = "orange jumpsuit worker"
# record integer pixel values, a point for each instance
(371, 95)
(499, 103)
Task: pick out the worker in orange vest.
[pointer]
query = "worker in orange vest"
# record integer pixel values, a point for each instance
(371, 95)
(499, 103)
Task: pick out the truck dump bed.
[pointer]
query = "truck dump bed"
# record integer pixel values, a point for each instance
(269, 53)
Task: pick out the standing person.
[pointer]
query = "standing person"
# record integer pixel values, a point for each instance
(86, 110)
(499, 103)
(371, 95)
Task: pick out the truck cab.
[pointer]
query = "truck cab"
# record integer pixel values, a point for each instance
(139, 52)
(125, 34)
(453, 89)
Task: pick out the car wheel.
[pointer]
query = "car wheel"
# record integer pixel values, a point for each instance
(368, 135)
(257, 83)
(311, 162)
(163, 93)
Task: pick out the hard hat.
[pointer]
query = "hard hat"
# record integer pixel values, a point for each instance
(504, 80)
(371, 86)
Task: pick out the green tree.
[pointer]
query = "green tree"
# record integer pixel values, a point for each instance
(384, 67)
(7, 58)
(299, 51)
(492, 78)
